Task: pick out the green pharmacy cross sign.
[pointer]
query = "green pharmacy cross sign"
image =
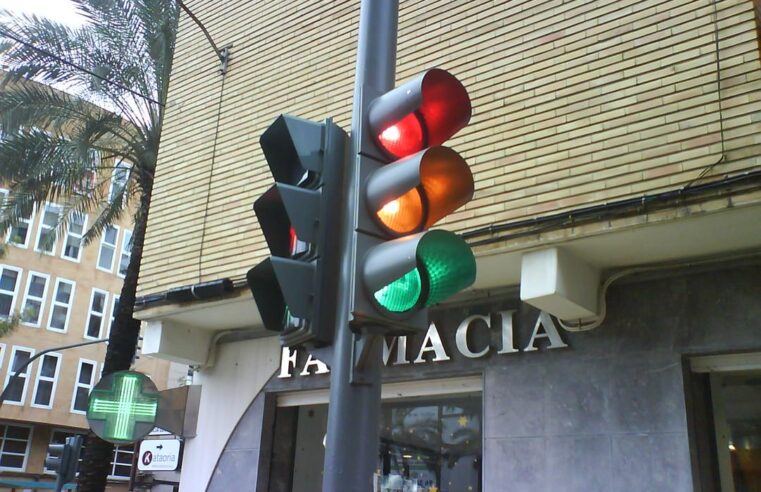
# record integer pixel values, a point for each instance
(123, 407)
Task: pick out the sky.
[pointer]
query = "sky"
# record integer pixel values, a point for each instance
(60, 10)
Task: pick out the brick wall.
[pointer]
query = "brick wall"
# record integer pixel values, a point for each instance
(575, 103)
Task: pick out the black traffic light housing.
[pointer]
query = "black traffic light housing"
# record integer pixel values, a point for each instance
(295, 289)
(64, 460)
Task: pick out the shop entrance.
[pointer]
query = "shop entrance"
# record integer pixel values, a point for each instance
(726, 415)
(737, 419)
(428, 444)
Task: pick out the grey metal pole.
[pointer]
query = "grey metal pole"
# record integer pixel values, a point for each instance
(37, 356)
(351, 450)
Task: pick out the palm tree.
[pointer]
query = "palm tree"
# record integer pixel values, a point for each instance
(119, 60)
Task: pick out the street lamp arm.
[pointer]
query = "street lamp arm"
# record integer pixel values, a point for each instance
(40, 354)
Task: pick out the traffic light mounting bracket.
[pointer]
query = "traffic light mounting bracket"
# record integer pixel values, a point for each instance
(365, 346)
(367, 147)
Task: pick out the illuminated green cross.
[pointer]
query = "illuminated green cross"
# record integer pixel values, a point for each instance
(122, 406)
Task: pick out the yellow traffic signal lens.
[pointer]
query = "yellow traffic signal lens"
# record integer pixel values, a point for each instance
(404, 214)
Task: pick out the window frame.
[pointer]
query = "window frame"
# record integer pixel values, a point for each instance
(120, 165)
(39, 377)
(3, 196)
(124, 252)
(69, 234)
(54, 302)
(114, 304)
(19, 274)
(100, 250)
(26, 374)
(90, 312)
(29, 221)
(119, 449)
(90, 183)
(29, 441)
(42, 300)
(78, 385)
(41, 225)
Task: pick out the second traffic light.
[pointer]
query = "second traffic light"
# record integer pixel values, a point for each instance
(64, 460)
(295, 289)
(408, 182)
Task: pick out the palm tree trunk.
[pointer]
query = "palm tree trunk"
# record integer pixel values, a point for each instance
(122, 344)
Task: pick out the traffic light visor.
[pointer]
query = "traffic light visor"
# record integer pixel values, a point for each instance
(409, 273)
(423, 112)
(414, 193)
(448, 262)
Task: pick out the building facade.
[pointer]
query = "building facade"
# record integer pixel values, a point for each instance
(616, 158)
(59, 291)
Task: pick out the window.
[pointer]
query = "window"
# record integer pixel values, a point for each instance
(114, 307)
(16, 441)
(75, 229)
(34, 299)
(17, 390)
(121, 464)
(89, 181)
(107, 248)
(46, 234)
(3, 196)
(119, 179)
(9, 284)
(126, 253)
(84, 383)
(96, 314)
(19, 234)
(47, 378)
(60, 307)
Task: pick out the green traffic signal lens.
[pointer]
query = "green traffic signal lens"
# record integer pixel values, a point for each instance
(449, 262)
(402, 294)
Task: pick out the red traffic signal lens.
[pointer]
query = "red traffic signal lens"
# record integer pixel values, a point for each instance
(425, 111)
(404, 137)
(404, 214)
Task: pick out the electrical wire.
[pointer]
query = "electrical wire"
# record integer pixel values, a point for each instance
(723, 155)
(211, 175)
(588, 324)
(219, 52)
(78, 67)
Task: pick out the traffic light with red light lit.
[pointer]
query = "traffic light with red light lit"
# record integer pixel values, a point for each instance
(295, 289)
(409, 182)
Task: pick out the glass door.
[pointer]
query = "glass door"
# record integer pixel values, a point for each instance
(428, 444)
(737, 418)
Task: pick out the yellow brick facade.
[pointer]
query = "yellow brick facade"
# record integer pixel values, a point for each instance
(575, 103)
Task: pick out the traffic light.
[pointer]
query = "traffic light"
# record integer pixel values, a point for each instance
(63, 459)
(295, 289)
(408, 182)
